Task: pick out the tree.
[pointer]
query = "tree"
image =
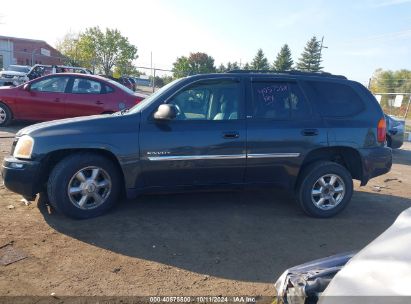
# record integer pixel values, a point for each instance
(102, 50)
(107, 49)
(284, 61)
(196, 63)
(70, 48)
(311, 57)
(386, 81)
(181, 67)
(260, 62)
(247, 66)
(126, 68)
(221, 68)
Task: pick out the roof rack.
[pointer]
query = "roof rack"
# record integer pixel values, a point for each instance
(290, 72)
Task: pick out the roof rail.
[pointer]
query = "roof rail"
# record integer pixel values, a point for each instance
(290, 72)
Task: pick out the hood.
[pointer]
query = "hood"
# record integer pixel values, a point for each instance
(301, 284)
(12, 73)
(78, 125)
(382, 268)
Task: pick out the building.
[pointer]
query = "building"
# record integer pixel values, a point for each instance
(27, 52)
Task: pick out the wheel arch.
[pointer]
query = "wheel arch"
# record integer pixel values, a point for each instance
(8, 107)
(348, 157)
(51, 159)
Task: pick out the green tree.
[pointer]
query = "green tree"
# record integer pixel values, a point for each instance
(260, 62)
(107, 49)
(284, 61)
(126, 68)
(310, 60)
(69, 46)
(196, 63)
(181, 67)
(386, 81)
(247, 66)
(221, 68)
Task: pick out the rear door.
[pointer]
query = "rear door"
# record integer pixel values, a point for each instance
(281, 129)
(45, 99)
(204, 145)
(86, 97)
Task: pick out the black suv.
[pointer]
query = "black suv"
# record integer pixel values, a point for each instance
(308, 132)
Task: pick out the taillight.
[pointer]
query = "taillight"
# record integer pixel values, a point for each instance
(138, 100)
(381, 130)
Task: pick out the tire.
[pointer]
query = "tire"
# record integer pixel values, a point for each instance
(389, 142)
(5, 115)
(65, 177)
(319, 198)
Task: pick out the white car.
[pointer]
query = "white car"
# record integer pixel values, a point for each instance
(379, 273)
(14, 75)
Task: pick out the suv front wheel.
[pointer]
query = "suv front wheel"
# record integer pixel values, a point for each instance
(326, 189)
(84, 185)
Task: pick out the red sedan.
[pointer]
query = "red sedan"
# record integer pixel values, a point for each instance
(64, 95)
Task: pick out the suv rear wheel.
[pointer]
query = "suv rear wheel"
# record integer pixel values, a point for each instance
(84, 185)
(326, 189)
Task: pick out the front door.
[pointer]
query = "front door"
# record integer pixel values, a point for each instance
(204, 145)
(281, 129)
(45, 100)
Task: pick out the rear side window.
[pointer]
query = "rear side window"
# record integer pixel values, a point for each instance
(334, 99)
(279, 101)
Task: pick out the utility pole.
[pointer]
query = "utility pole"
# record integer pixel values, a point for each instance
(151, 68)
(322, 46)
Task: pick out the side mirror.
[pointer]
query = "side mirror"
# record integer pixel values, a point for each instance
(26, 87)
(165, 112)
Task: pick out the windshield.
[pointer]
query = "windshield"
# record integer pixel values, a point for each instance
(120, 86)
(152, 97)
(21, 69)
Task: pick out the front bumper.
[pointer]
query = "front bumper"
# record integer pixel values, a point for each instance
(376, 162)
(22, 176)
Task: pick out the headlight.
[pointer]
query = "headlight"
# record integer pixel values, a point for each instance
(24, 147)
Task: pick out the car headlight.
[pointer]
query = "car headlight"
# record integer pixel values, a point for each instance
(24, 147)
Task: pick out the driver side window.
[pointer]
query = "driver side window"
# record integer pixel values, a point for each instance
(208, 101)
(52, 84)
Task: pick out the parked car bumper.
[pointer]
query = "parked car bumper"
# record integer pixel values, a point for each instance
(397, 138)
(22, 176)
(376, 161)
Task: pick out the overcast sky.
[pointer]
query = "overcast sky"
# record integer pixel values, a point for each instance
(361, 35)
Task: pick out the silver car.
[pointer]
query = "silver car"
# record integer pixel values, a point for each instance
(14, 75)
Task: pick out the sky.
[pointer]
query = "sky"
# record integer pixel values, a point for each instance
(360, 36)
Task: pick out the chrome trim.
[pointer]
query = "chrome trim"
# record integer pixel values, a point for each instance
(272, 155)
(216, 157)
(196, 157)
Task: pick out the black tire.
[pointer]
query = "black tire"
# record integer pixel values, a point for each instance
(308, 180)
(63, 174)
(5, 115)
(389, 142)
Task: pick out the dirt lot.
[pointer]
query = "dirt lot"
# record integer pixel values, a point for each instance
(230, 243)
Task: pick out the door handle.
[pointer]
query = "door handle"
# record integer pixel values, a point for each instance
(57, 100)
(99, 102)
(309, 132)
(231, 135)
